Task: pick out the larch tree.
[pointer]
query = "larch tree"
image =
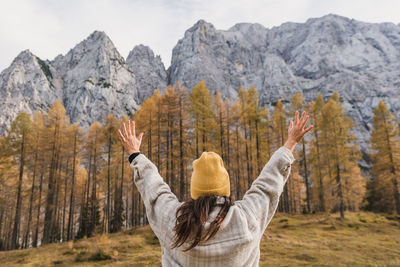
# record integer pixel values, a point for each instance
(75, 136)
(245, 120)
(239, 182)
(383, 193)
(341, 152)
(18, 138)
(56, 122)
(183, 125)
(110, 128)
(298, 103)
(316, 156)
(280, 127)
(36, 167)
(202, 110)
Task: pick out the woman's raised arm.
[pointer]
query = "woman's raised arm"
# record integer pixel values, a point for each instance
(160, 202)
(261, 200)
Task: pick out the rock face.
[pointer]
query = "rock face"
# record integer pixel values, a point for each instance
(360, 60)
(26, 85)
(149, 71)
(95, 80)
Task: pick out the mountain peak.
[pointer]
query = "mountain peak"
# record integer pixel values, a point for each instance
(141, 49)
(99, 35)
(99, 38)
(25, 54)
(329, 17)
(96, 47)
(201, 25)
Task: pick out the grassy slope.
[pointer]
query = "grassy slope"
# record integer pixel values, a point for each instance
(363, 239)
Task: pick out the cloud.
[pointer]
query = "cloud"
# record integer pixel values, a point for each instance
(49, 28)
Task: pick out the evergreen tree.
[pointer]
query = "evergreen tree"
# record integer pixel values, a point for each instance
(341, 152)
(299, 104)
(316, 158)
(280, 127)
(109, 129)
(383, 193)
(18, 139)
(202, 110)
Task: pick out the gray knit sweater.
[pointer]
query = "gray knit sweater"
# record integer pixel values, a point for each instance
(237, 242)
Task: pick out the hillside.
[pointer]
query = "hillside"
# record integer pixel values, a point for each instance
(362, 239)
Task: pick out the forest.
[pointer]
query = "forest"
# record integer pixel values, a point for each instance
(59, 182)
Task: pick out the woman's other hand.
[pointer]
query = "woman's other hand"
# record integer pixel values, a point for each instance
(129, 140)
(296, 130)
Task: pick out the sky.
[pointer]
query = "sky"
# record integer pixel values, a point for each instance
(49, 27)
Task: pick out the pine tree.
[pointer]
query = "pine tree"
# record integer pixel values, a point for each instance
(237, 168)
(299, 104)
(383, 192)
(120, 169)
(56, 121)
(280, 127)
(75, 134)
(183, 125)
(221, 116)
(17, 139)
(245, 120)
(341, 152)
(317, 171)
(109, 129)
(202, 109)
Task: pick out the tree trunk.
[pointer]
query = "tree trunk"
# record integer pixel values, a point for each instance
(306, 178)
(65, 202)
(71, 198)
(50, 192)
(258, 148)
(27, 234)
(238, 191)
(35, 240)
(340, 193)
(321, 184)
(248, 162)
(17, 218)
(108, 213)
(181, 163)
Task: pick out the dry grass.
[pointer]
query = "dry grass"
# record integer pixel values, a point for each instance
(363, 239)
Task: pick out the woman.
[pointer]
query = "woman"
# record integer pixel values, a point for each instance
(209, 229)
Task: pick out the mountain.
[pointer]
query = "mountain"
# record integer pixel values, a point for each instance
(26, 85)
(92, 80)
(149, 71)
(360, 60)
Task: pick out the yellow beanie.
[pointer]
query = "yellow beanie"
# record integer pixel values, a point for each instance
(209, 176)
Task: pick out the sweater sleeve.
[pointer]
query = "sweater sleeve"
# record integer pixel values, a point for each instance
(261, 200)
(160, 203)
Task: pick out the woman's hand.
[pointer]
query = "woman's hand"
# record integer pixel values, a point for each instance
(129, 140)
(296, 130)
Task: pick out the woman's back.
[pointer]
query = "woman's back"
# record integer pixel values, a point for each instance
(236, 243)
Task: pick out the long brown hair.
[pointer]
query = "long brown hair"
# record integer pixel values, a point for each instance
(191, 217)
